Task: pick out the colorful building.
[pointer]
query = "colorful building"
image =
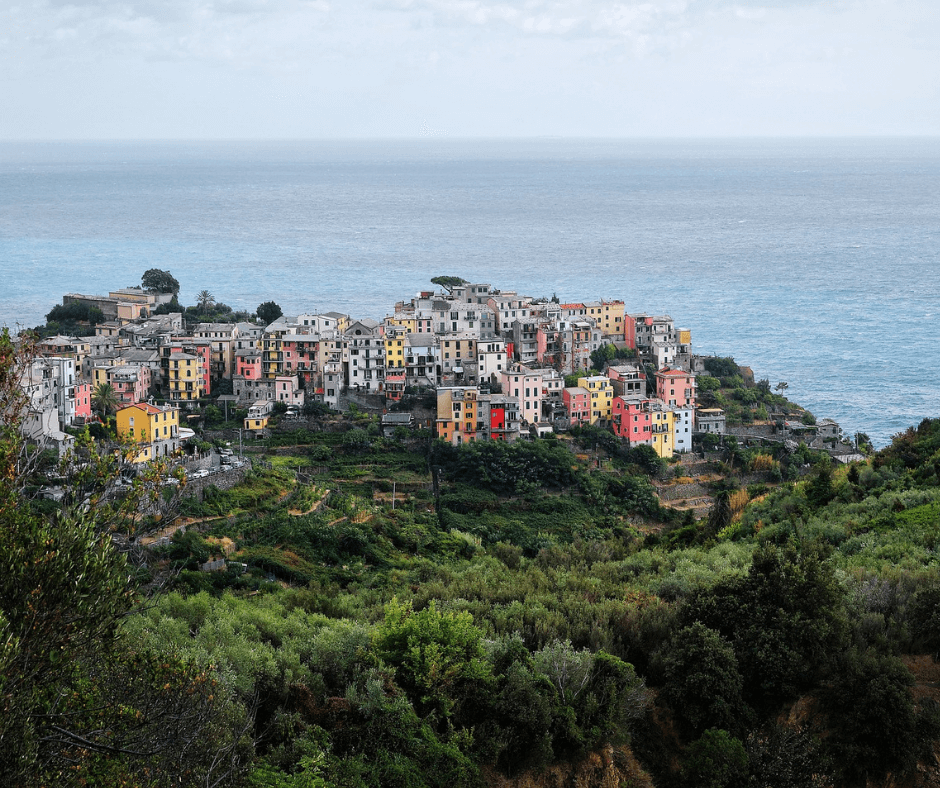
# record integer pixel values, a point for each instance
(577, 401)
(676, 387)
(186, 366)
(602, 396)
(153, 428)
(131, 382)
(663, 426)
(258, 415)
(248, 364)
(632, 420)
(394, 350)
(458, 358)
(184, 382)
(394, 384)
(526, 386)
(457, 415)
(83, 401)
(500, 417)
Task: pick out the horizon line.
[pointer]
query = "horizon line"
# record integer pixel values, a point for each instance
(478, 138)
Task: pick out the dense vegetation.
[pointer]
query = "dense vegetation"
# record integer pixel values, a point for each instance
(530, 609)
(397, 612)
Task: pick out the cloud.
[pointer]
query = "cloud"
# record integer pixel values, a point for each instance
(288, 33)
(226, 31)
(662, 21)
(378, 67)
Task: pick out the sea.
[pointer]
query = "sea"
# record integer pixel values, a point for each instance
(816, 262)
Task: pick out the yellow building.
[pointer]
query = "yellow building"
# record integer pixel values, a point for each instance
(272, 355)
(409, 324)
(664, 430)
(183, 377)
(153, 428)
(395, 349)
(602, 397)
(608, 316)
(258, 415)
(458, 414)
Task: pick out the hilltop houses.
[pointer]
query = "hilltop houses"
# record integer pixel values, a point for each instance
(504, 366)
(499, 356)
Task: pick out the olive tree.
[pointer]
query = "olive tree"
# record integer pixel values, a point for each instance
(156, 281)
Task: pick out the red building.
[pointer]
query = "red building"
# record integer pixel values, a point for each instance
(632, 421)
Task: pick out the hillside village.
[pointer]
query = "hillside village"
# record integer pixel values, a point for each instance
(605, 616)
(503, 366)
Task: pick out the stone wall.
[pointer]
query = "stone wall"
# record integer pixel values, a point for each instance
(224, 480)
(199, 463)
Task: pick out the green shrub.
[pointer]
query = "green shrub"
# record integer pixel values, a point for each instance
(716, 760)
(875, 728)
(702, 682)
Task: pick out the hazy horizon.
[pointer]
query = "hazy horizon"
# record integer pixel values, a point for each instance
(480, 138)
(468, 69)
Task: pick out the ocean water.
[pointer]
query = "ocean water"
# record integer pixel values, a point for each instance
(816, 262)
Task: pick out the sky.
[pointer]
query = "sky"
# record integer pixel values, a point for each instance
(299, 69)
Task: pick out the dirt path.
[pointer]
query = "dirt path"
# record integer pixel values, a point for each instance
(317, 505)
(168, 531)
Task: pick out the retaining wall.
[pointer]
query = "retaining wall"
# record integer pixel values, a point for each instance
(223, 481)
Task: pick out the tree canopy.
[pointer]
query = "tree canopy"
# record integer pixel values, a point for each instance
(268, 312)
(104, 400)
(448, 282)
(205, 300)
(75, 312)
(156, 281)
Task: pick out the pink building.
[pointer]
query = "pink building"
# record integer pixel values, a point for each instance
(287, 390)
(676, 387)
(83, 400)
(546, 343)
(578, 404)
(290, 354)
(131, 383)
(308, 356)
(526, 386)
(248, 364)
(629, 327)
